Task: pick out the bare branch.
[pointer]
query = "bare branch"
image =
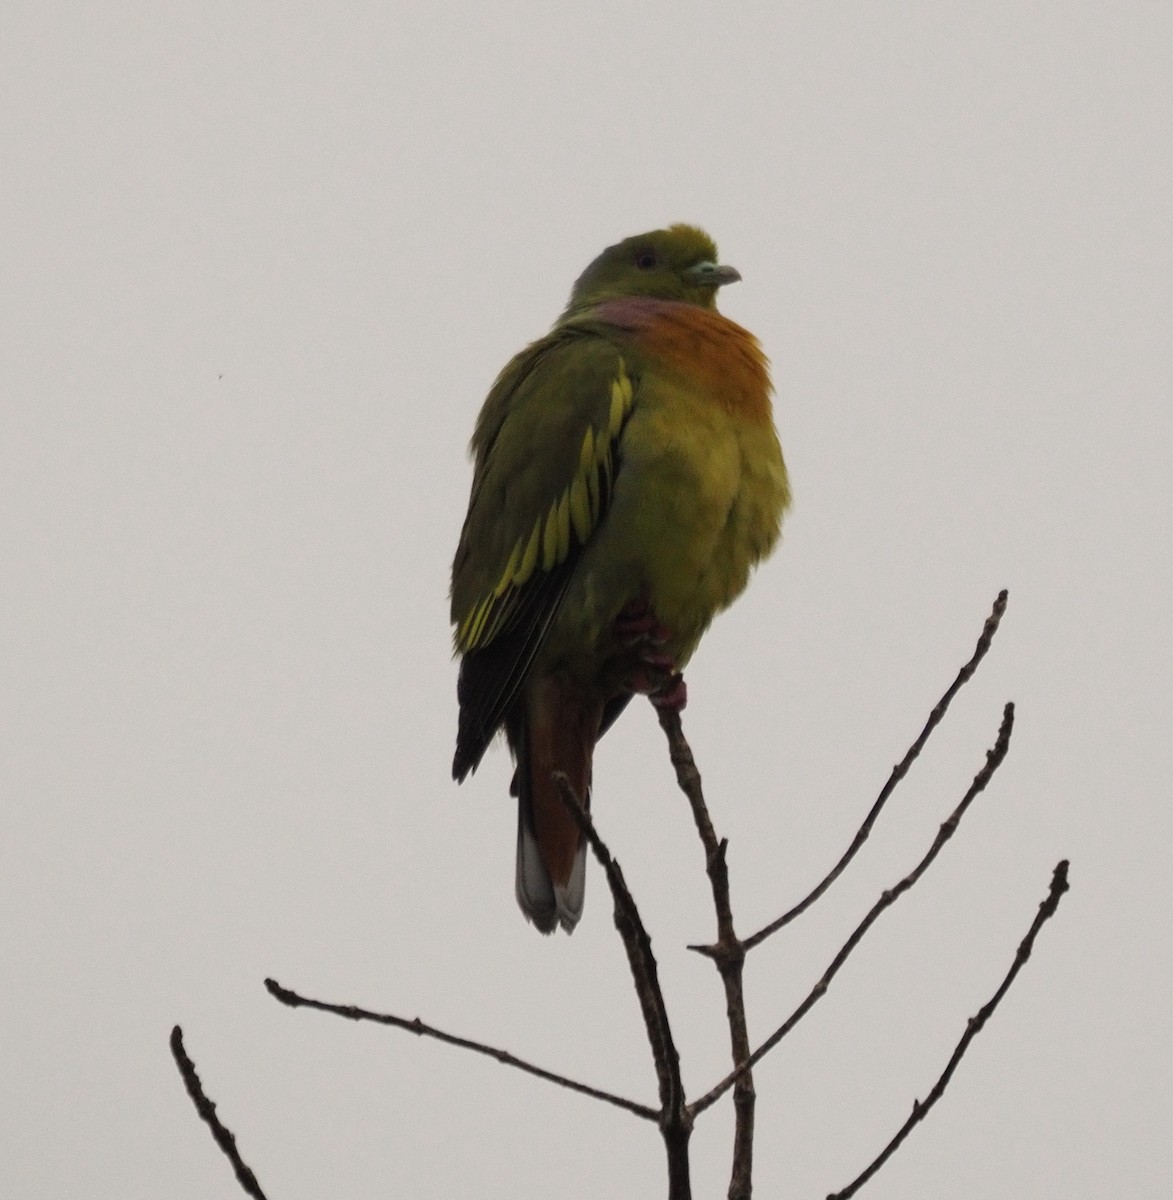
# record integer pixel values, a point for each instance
(675, 1119)
(674, 1116)
(416, 1026)
(688, 779)
(994, 758)
(207, 1110)
(728, 952)
(898, 773)
(973, 1027)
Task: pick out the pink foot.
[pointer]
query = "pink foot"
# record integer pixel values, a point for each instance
(655, 676)
(637, 623)
(673, 696)
(651, 672)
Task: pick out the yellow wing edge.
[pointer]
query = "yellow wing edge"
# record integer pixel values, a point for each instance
(570, 520)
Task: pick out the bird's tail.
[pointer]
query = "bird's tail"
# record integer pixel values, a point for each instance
(556, 732)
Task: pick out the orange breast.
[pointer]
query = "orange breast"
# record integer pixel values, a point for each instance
(702, 348)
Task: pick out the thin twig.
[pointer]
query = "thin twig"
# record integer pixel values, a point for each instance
(898, 773)
(674, 1118)
(974, 1025)
(994, 757)
(728, 952)
(416, 1026)
(207, 1110)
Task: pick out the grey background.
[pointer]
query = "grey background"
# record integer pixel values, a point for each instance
(260, 265)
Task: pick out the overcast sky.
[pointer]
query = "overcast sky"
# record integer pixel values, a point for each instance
(260, 266)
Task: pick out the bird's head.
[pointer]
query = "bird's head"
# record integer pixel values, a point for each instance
(677, 263)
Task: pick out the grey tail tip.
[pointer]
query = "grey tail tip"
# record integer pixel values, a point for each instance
(548, 920)
(547, 905)
(544, 920)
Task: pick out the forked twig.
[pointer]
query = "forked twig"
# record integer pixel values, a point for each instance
(898, 773)
(207, 1110)
(415, 1025)
(994, 757)
(728, 952)
(973, 1027)
(675, 1117)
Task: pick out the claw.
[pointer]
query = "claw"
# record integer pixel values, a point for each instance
(644, 667)
(673, 695)
(655, 676)
(634, 622)
(637, 623)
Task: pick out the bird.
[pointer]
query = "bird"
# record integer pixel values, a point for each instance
(627, 477)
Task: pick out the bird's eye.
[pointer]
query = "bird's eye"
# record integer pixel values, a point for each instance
(646, 260)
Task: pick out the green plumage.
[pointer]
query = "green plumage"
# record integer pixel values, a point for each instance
(626, 459)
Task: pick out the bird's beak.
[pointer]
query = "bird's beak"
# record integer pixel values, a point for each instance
(711, 274)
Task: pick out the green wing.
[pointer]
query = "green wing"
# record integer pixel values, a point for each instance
(546, 447)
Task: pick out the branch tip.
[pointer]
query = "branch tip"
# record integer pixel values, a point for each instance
(989, 628)
(973, 1027)
(414, 1025)
(224, 1138)
(887, 898)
